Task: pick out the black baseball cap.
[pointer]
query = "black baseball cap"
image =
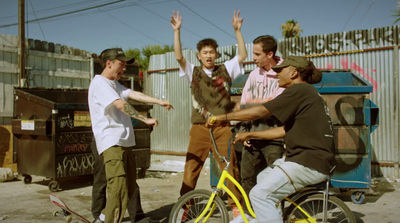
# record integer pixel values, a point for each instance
(116, 53)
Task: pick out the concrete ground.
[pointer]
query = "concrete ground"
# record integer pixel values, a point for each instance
(22, 203)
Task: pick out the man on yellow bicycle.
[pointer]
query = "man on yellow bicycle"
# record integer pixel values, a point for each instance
(308, 137)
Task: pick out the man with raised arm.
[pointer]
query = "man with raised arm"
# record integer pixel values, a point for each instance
(210, 88)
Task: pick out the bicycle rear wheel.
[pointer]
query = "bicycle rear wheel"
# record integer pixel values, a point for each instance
(190, 206)
(337, 210)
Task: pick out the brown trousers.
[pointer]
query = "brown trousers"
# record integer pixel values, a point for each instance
(199, 147)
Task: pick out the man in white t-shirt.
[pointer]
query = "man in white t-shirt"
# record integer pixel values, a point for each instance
(111, 114)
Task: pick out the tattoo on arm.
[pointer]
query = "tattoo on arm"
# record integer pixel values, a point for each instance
(131, 111)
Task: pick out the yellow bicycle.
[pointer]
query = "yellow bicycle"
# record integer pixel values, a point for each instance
(312, 204)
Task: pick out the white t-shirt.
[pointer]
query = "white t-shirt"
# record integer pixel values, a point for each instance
(110, 125)
(232, 66)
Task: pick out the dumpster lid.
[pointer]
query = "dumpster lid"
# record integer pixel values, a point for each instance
(333, 81)
(342, 81)
(54, 97)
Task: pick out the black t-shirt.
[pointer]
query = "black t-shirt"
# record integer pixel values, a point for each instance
(309, 136)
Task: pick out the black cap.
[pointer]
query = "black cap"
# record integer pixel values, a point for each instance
(116, 53)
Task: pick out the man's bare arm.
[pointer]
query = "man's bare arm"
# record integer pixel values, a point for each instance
(132, 112)
(139, 96)
(247, 114)
(176, 22)
(237, 25)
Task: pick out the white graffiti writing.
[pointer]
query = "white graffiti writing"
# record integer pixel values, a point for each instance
(337, 42)
(75, 166)
(65, 122)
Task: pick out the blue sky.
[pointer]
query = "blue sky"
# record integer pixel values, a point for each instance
(139, 23)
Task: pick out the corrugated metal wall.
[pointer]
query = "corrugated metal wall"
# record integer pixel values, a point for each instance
(48, 65)
(373, 54)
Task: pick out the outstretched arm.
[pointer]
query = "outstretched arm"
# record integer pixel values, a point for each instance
(247, 114)
(139, 96)
(132, 112)
(237, 25)
(176, 22)
(275, 133)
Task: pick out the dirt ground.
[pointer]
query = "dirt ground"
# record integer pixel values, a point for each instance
(22, 203)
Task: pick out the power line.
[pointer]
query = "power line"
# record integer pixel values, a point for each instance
(366, 12)
(49, 9)
(351, 15)
(40, 26)
(66, 13)
(206, 19)
(169, 21)
(138, 3)
(126, 24)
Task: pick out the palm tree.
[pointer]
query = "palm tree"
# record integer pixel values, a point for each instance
(397, 13)
(291, 29)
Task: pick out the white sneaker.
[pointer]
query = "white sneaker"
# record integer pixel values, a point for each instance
(239, 219)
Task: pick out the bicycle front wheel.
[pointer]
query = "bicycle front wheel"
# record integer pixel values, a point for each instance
(337, 210)
(192, 204)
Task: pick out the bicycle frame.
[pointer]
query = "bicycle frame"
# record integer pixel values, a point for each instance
(309, 218)
(221, 186)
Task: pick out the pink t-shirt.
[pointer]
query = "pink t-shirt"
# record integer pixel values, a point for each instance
(261, 86)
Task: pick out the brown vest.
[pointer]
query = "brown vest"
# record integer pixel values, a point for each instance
(210, 96)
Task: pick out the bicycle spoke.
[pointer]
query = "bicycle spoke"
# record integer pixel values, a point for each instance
(337, 211)
(190, 206)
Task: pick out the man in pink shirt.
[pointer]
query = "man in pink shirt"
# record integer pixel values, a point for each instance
(261, 86)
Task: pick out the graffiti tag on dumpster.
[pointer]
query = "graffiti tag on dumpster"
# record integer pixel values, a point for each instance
(75, 165)
(65, 121)
(74, 142)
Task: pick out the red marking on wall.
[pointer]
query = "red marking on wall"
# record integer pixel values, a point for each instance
(357, 68)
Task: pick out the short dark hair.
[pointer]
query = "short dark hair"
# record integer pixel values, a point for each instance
(268, 43)
(207, 42)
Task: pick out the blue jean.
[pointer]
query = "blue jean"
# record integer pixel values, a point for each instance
(273, 185)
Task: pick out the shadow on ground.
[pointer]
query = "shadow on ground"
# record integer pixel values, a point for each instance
(69, 183)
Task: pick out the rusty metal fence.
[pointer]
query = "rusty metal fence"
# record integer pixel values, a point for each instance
(372, 54)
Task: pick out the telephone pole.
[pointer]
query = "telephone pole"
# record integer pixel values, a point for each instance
(21, 43)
